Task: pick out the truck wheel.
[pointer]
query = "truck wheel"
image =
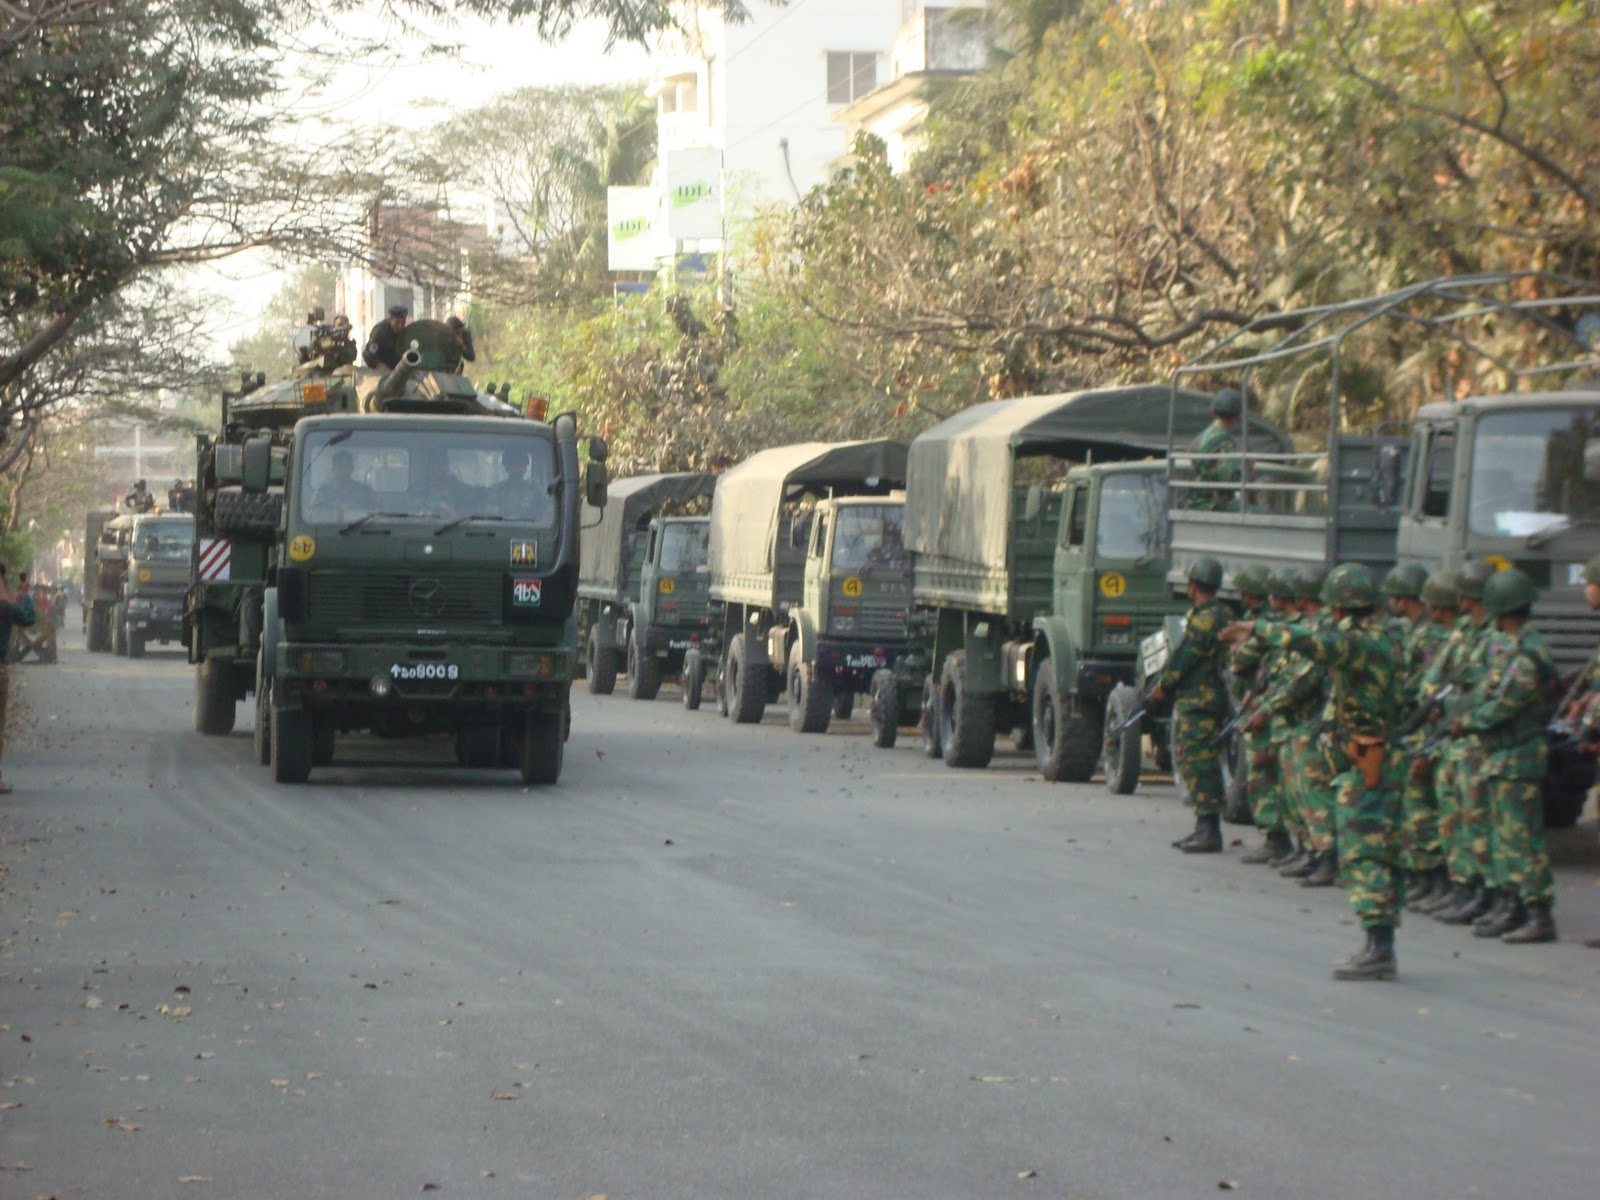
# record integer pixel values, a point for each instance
(261, 737)
(322, 739)
(542, 748)
(844, 704)
(135, 644)
(644, 673)
(602, 666)
(119, 633)
(966, 719)
(1121, 754)
(214, 706)
(694, 681)
(291, 745)
(932, 746)
(746, 689)
(810, 697)
(1235, 782)
(883, 707)
(721, 685)
(1066, 742)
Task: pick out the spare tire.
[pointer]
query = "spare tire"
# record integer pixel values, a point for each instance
(253, 513)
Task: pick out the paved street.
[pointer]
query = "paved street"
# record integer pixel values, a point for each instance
(719, 961)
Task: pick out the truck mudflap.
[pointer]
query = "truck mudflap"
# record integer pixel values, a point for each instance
(449, 673)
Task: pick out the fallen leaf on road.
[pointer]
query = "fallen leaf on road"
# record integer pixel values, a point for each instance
(503, 1096)
(1227, 1185)
(1185, 1006)
(280, 1083)
(1027, 1174)
(994, 1078)
(92, 1002)
(194, 1179)
(430, 1187)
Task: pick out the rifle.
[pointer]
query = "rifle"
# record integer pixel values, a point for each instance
(1138, 715)
(1572, 733)
(1427, 712)
(1431, 747)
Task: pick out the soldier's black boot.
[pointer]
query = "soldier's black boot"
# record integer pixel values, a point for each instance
(1479, 901)
(1505, 916)
(1424, 885)
(1447, 897)
(1324, 873)
(1292, 860)
(1375, 960)
(1276, 846)
(1206, 838)
(1539, 926)
(1304, 867)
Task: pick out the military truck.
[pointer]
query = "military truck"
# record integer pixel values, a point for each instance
(643, 581)
(810, 590)
(101, 579)
(1036, 580)
(1505, 469)
(149, 608)
(388, 551)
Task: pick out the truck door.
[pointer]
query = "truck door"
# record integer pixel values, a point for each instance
(1074, 558)
(816, 593)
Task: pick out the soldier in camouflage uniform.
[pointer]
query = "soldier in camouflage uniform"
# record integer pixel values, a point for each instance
(1509, 717)
(1408, 619)
(1465, 832)
(1193, 680)
(1362, 658)
(1217, 438)
(1311, 766)
(1581, 708)
(1262, 666)
(1424, 854)
(1243, 664)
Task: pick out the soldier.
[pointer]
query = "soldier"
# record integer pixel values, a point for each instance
(1361, 656)
(1578, 708)
(342, 490)
(1420, 800)
(1244, 665)
(1308, 766)
(1260, 663)
(384, 347)
(139, 500)
(1509, 719)
(463, 337)
(1193, 678)
(1217, 438)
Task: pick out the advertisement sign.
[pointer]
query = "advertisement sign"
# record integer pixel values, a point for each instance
(631, 215)
(694, 193)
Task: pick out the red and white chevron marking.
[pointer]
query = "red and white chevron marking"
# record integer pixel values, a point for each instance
(215, 558)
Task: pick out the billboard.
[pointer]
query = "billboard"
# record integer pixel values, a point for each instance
(631, 217)
(694, 193)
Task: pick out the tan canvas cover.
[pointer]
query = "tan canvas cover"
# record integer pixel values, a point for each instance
(959, 490)
(630, 502)
(746, 507)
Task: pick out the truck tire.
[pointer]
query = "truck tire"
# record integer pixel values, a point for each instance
(135, 644)
(644, 673)
(811, 699)
(119, 633)
(1067, 734)
(261, 736)
(254, 514)
(603, 665)
(1122, 753)
(883, 708)
(94, 635)
(932, 745)
(721, 685)
(214, 705)
(1568, 778)
(844, 704)
(291, 745)
(743, 684)
(543, 748)
(694, 680)
(323, 736)
(966, 719)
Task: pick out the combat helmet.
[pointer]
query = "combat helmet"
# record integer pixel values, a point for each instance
(1591, 570)
(1440, 591)
(1207, 572)
(1227, 403)
(1349, 585)
(1471, 578)
(1509, 591)
(1281, 584)
(1308, 584)
(1405, 580)
(1252, 581)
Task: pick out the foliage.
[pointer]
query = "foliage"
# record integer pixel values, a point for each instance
(270, 348)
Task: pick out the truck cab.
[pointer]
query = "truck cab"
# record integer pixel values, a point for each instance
(156, 576)
(674, 601)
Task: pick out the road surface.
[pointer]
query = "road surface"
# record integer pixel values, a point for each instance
(719, 961)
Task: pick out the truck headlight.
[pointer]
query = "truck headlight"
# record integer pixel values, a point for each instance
(532, 665)
(321, 662)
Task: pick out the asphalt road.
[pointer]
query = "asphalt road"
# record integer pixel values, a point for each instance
(719, 961)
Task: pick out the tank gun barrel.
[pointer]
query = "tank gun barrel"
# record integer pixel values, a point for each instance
(392, 383)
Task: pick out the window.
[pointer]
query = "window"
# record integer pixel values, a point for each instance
(1078, 521)
(850, 75)
(1437, 479)
(869, 536)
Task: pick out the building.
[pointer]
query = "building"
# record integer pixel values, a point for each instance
(417, 257)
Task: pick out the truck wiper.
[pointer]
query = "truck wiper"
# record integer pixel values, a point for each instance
(443, 529)
(1534, 540)
(372, 516)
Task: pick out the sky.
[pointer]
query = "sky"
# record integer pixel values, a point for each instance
(493, 59)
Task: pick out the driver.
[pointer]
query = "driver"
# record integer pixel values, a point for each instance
(521, 495)
(342, 489)
(442, 492)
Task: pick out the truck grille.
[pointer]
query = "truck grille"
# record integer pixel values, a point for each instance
(402, 598)
(1570, 631)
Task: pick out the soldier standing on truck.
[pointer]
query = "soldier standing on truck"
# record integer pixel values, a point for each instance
(1509, 720)
(384, 347)
(139, 500)
(1193, 678)
(1217, 439)
(1362, 658)
(463, 337)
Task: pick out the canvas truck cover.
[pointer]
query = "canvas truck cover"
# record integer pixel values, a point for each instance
(603, 558)
(746, 509)
(959, 494)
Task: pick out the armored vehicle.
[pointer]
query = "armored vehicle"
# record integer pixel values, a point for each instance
(1036, 580)
(388, 551)
(102, 578)
(1508, 473)
(643, 581)
(810, 589)
(155, 576)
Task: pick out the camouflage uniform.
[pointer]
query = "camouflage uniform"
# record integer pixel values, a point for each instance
(1424, 641)
(1259, 664)
(1466, 840)
(1200, 704)
(1214, 439)
(1301, 705)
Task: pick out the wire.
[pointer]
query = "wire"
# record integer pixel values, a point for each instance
(787, 13)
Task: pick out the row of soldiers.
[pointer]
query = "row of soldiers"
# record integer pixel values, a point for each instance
(1395, 738)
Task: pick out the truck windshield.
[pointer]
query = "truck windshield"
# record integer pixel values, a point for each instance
(164, 543)
(1133, 520)
(1527, 473)
(685, 547)
(426, 475)
(868, 536)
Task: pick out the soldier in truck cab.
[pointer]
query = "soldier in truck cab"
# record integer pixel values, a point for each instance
(343, 490)
(519, 495)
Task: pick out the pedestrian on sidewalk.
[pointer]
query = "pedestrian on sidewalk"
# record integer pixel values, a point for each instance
(16, 610)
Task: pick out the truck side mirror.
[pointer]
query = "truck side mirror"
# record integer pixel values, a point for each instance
(595, 482)
(598, 450)
(1591, 460)
(1386, 478)
(255, 471)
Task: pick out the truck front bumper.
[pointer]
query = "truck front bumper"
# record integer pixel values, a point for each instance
(156, 620)
(451, 675)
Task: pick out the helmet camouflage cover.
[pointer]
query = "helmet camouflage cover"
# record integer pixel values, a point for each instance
(1509, 591)
(1350, 585)
(1308, 584)
(1440, 590)
(1405, 580)
(1207, 572)
(1251, 581)
(1471, 578)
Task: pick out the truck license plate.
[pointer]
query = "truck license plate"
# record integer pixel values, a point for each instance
(425, 671)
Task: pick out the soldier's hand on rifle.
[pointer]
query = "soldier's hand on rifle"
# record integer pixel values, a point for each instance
(1256, 723)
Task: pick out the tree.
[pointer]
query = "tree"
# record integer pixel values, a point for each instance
(270, 348)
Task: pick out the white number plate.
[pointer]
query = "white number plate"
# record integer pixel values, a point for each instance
(425, 671)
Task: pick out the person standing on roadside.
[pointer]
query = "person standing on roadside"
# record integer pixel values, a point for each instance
(14, 610)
